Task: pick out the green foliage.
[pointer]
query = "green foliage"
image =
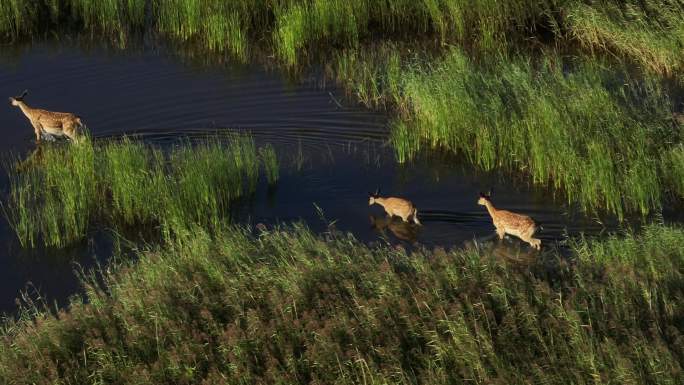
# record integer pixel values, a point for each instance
(649, 33)
(595, 133)
(57, 196)
(270, 161)
(285, 306)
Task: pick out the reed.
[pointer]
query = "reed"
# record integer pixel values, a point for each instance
(286, 305)
(650, 34)
(269, 159)
(65, 191)
(593, 131)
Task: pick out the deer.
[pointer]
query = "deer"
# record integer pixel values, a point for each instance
(49, 122)
(506, 222)
(395, 207)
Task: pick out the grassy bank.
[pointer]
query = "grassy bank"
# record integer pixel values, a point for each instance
(648, 33)
(596, 131)
(62, 192)
(591, 131)
(286, 306)
(490, 81)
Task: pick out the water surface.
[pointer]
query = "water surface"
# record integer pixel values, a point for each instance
(332, 152)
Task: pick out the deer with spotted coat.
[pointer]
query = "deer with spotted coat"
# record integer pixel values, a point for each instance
(506, 222)
(50, 122)
(395, 207)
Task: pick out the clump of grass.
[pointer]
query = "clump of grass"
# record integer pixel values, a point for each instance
(372, 74)
(597, 134)
(673, 169)
(16, 18)
(287, 305)
(269, 159)
(218, 25)
(67, 190)
(648, 33)
(52, 200)
(303, 27)
(113, 17)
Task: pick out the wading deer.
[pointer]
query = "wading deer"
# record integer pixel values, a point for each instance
(395, 206)
(507, 222)
(49, 122)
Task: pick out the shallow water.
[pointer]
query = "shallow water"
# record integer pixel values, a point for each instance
(332, 153)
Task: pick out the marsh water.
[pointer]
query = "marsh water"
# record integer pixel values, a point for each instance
(332, 152)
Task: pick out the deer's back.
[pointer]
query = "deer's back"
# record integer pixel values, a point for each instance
(44, 115)
(514, 222)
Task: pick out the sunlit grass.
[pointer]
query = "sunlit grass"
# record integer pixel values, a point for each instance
(269, 159)
(592, 132)
(286, 304)
(649, 33)
(67, 189)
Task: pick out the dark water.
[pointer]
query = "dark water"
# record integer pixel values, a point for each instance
(332, 153)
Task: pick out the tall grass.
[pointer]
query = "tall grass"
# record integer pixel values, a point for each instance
(649, 33)
(270, 161)
(595, 133)
(67, 190)
(287, 306)
(304, 27)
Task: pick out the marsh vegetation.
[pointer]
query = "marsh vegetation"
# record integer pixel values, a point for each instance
(574, 96)
(572, 93)
(62, 192)
(283, 305)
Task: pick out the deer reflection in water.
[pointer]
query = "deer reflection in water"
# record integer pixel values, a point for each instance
(511, 252)
(405, 231)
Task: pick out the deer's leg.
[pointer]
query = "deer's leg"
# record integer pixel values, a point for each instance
(500, 232)
(415, 217)
(37, 128)
(534, 242)
(71, 130)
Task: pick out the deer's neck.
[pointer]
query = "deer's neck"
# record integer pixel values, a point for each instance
(491, 209)
(28, 111)
(381, 201)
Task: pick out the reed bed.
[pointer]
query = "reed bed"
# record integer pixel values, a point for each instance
(647, 33)
(286, 306)
(590, 130)
(66, 190)
(269, 159)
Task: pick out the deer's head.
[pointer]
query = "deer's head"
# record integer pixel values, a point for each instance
(484, 198)
(15, 100)
(373, 196)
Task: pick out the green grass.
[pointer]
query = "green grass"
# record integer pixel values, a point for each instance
(590, 130)
(650, 33)
(286, 306)
(269, 159)
(647, 33)
(67, 190)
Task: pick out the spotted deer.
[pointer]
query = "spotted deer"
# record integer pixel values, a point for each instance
(395, 207)
(507, 222)
(49, 122)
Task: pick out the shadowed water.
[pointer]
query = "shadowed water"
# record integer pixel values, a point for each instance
(332, 153)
